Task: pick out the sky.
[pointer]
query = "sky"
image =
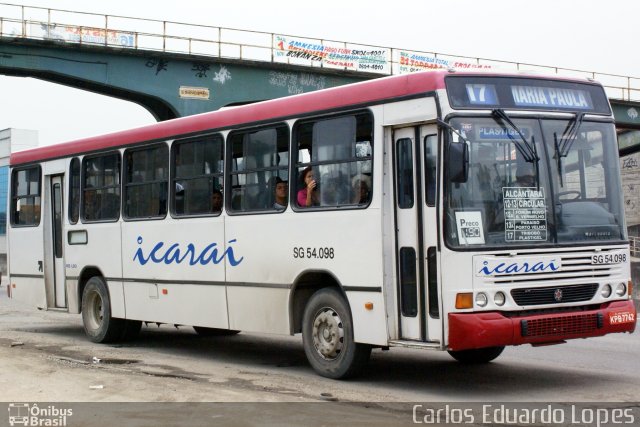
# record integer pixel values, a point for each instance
(591, 35)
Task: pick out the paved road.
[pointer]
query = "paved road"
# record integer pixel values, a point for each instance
(45, 357)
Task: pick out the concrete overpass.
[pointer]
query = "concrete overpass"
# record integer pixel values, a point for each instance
(175, 69)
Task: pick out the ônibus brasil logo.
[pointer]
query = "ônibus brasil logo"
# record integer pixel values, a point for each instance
(25, 414)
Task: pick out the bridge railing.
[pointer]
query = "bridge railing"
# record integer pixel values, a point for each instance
(114, 31)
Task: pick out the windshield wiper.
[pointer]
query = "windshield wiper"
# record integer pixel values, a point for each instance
(567, 139)
(569, 135)
(527, 149)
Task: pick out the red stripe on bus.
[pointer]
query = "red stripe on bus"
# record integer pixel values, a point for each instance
(354, 94)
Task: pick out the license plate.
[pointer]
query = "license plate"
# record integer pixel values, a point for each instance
(609, 258)
(623, 317)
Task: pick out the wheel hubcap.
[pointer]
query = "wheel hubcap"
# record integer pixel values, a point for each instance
(328, 333)
(96, 313)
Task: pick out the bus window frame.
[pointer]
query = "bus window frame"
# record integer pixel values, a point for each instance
(295, 166)
(172, 173)
(228, 168)
(83, 220)
(123, 182)
(74, 203)
(15, 197)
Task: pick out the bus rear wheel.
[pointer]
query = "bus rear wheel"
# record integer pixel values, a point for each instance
(477, 355)
(98, 324)
(327, 336)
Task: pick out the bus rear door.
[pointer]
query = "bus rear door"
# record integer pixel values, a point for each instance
(57, 242)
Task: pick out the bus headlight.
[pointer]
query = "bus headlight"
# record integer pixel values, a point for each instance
(605, 292)
(499, 299)
(481, 299)
(621, 289)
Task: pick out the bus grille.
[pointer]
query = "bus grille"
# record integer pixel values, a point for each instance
(561, 326)
(554, 294)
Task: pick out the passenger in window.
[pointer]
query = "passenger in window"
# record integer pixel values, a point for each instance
(91, 204)
(361, 192)
(216, 201)
(281, 193)
(308, 195)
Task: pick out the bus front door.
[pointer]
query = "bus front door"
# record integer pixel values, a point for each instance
(57, 236)
(414, 163)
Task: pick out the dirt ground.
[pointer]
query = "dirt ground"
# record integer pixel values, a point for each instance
(172, 376)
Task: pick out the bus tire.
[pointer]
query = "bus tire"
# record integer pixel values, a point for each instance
(477, 355)
(214, 332)
(98, 324)
(327, 336)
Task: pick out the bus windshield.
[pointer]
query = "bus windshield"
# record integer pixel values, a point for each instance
(534, 182)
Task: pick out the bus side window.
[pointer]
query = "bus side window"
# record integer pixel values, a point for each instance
(74, 190)
(25, 196)
(145, 182)
(197, 166)
(338, 151)
(256, 159)
(101, 179)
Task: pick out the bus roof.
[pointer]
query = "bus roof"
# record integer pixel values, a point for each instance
(361, 93)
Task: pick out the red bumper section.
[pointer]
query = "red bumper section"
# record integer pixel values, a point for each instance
(492, 329)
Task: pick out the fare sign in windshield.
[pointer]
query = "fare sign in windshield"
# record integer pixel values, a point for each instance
(526, 94)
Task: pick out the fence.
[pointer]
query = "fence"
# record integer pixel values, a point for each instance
(57, 25)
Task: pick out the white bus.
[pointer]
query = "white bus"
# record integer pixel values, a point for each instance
(441, 210)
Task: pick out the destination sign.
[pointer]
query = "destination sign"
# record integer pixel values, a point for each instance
(524, 93)
(482, 94)
(532, 96)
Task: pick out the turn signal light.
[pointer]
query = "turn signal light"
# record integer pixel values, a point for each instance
(464, 300)
(368, 306)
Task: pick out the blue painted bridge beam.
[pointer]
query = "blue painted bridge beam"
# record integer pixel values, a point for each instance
(174, 85)
(167, 85)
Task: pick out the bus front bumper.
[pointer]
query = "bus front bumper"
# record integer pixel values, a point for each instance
(494, 329)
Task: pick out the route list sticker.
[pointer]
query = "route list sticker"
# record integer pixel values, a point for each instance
(525, 214)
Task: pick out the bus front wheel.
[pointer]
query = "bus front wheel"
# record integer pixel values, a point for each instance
(477, 355)
(327, 336)
(98, 324)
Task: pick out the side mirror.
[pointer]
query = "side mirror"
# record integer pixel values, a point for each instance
(458, 162)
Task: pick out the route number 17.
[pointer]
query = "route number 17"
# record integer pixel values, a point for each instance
(481, 94)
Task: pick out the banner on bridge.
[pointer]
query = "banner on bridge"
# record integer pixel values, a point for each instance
(410, 62)
(373, 60)
(75, 34)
